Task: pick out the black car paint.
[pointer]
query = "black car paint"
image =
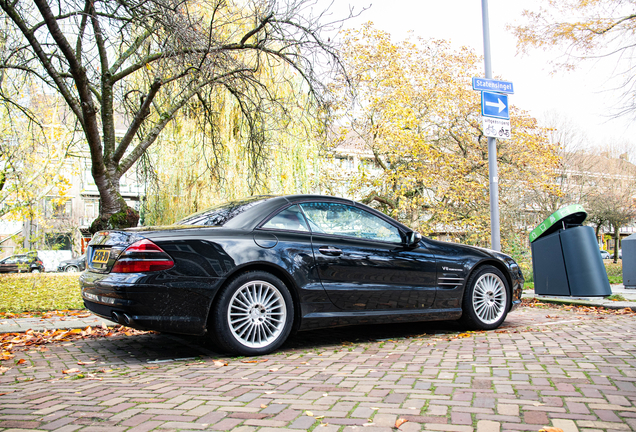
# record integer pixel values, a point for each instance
(178, 300)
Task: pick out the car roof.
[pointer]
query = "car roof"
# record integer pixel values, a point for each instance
(253, 216)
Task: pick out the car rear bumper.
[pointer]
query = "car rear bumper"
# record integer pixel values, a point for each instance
(132, 300)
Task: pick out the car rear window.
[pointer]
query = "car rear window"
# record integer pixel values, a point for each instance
(222, 213)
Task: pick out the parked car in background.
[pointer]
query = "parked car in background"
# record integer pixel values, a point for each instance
(605, 254)
(249, 272)
(22, 263)
(73, 265)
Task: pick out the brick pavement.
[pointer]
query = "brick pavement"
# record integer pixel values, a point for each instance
(543, 368)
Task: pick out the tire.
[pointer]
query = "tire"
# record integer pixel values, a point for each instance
(35, 270)
(485, 304)
(71, 269)
(253, 315)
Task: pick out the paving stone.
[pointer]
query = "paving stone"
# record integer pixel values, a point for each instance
(528, 374)
(488, 426)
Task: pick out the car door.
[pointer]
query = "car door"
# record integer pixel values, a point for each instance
(363, 262)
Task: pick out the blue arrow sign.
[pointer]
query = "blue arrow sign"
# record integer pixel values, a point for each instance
(494, 105)
(486, 84)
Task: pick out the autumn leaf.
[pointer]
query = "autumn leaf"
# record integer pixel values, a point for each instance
(219, 363)
(10, 341)
(263, 406)
(83, 363)
(151, 367)
(550, 429)
(399, 422)
(21, 361)
(309, 413)
(254, 361)
(70, 371)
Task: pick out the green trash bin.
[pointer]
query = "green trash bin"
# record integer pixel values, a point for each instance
(565, 256)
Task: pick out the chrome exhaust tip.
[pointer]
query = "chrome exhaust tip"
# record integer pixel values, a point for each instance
(127, 319)
(115, 316)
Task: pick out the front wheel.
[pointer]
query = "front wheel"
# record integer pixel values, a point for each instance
(485, 302)
(71, 269)
(253, 314)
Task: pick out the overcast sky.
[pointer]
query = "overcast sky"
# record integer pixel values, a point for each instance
(583, 96)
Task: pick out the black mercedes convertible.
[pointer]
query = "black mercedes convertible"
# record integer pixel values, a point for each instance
(247, 273)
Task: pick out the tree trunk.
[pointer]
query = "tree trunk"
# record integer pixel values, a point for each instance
(113, 210)
(616, 246)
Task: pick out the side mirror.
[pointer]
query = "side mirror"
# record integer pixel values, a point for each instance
(413, 238)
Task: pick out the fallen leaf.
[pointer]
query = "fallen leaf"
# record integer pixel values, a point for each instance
(273, 369)
(70, 371)
(151, 367)
(83, 363)
(219, 363)
(263, 406)
(3, 369)
(550, 429)
(21, 361)
(309, 413)
(254, 361)
(399, 422)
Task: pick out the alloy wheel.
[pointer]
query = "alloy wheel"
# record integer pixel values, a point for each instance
(257, 314)
(489, 298)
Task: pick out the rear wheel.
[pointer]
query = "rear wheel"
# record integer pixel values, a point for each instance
(253, 314)
(71, 269)
(485, 302)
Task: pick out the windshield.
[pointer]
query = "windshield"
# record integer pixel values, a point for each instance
(220, 214)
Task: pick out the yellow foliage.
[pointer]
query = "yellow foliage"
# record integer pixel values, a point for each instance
(592, 28)
(418, 119)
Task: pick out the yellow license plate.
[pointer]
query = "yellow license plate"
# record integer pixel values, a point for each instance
(101, 256)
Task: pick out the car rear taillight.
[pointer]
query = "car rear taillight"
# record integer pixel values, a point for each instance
(142, 256)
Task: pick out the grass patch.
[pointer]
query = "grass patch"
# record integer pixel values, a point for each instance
(39, 292)
(614, 272)
(528, 285)
(616, 297)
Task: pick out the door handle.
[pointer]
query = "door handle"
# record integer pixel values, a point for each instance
(330, 250)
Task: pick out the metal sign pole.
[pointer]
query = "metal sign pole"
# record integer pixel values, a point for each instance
(495, 239)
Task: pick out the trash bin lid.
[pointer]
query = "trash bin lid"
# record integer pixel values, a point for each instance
(574, 214)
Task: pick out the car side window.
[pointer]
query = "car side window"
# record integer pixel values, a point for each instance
(289, 219)
(346, 220)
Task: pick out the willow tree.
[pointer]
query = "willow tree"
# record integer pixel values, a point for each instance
(193, 168)
(127, 68)
(418, 120)
(34, 143)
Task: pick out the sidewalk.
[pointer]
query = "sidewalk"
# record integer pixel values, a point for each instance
(19, 325)
(628, 294)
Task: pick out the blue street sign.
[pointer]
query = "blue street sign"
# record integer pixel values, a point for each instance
(485, 84)
(494, 105)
